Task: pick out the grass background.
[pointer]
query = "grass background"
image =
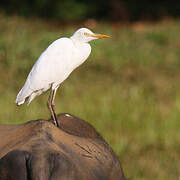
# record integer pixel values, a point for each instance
(129, 88)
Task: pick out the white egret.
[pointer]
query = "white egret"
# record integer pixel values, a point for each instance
(55, 64)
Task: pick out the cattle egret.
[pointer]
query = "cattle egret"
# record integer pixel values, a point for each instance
(55, 64)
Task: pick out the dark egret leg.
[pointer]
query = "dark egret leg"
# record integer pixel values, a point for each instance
(51, 106)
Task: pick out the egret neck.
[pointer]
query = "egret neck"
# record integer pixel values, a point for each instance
(82, 51)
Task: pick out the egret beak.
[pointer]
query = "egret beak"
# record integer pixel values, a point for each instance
(100, 36)
(97, 35)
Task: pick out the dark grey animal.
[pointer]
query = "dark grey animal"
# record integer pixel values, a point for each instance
(38, 150)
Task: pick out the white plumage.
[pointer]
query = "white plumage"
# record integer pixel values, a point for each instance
(56, 63)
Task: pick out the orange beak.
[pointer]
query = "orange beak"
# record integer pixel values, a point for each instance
(97, 35)
(100, 35)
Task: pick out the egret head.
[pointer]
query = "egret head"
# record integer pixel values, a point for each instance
(85, 35)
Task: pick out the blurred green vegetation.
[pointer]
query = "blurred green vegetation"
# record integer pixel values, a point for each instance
(129, 88)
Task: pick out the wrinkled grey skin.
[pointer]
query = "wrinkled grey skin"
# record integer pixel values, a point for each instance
(38, 150)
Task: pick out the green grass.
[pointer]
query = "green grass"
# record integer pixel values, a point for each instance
(129, 89)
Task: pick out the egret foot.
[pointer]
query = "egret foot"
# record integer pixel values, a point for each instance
(55, 122)
(54, 116)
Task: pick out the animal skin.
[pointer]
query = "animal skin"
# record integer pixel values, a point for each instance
(38, 150)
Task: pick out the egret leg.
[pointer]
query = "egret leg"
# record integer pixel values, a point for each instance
(51, 106)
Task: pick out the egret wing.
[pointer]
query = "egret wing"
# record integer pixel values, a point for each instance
(53, 66)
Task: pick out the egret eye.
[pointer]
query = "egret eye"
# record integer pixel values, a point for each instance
(86, 34)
